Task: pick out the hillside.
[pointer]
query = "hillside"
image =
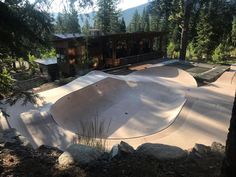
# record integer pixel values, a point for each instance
(127, 14)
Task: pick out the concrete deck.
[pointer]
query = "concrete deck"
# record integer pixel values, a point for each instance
(175, 111)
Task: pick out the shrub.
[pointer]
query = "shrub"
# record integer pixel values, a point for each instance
(219, 53)
(190, 53)
(171, 50)
(93, 132)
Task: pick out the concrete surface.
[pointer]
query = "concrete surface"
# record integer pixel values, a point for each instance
(175, 111)
(124, 109)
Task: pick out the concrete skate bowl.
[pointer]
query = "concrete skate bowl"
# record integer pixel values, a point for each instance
(118, 109)
(171, 75)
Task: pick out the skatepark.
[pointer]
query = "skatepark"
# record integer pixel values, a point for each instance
(157, 104)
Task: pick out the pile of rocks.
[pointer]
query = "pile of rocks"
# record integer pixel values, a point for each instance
(81, 155)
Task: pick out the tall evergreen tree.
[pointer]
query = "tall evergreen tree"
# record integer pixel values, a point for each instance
(154, 23)
(204, 42)
(122, 25)
(163, 8)
(145, 21)
(107, 18)
(86, 27)
(233, 32)
(135, 24)
(68, 21)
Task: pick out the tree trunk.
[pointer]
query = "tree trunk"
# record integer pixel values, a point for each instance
(184, 31)
(229, 164)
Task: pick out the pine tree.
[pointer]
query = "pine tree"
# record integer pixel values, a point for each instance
(204, 41)
(154, 23)
(135, 24)
(122, 25)
(107, 18)
(86, 27)
(233, 32)
(145, 22)
(68, 21)
(164, 8)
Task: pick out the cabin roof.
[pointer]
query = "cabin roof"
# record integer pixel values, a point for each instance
(47, 61)
(69, 36)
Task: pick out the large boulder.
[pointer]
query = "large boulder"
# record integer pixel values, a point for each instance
(121, 149)
(80, 154)
(201, 149)
(162, 152)
(218, 148)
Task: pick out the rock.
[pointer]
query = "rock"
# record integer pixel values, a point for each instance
(162, 152)
(48, 149)
(80, 154)
(114, 151)
(1, 138)
(10, 136)
(24, 141)
(121, 149)
(201, 149)
(125, 147)
(66, 159)
(218, 148)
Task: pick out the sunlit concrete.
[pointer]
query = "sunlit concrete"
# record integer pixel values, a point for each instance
(127, 109)
(156, 104)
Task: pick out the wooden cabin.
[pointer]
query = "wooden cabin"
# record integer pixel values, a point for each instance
(76, 51)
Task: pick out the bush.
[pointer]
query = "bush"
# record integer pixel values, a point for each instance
(172, 50)
(233, 52)
(48, 53)
(219, 53)
(190, 53)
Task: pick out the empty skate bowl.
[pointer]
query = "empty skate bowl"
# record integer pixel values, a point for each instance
(118, 109)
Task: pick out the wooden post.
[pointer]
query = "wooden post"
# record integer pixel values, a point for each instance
(114, 49)
(160, 44)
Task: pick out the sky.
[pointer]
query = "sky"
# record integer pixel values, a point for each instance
(57, 5)
(125, 4)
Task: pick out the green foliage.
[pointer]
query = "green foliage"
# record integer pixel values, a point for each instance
(107, 18)
(145, 21)
(191, 53)
(122, 25)
(163, 8)
(232, 52)
(204, 42)
(24, 28)
(68, 21)
(233, 32)
(172, 51)
(154, 23)
(86, 27)
(32, 63)
(6, 83)
(135, 24)
(220, 53)
(210, 23)
(48, 53)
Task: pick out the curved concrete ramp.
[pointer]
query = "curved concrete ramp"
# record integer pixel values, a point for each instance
(122, 109)
(171, 74)
(130, 107)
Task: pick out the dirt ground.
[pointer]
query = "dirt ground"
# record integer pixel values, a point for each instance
(21, 161)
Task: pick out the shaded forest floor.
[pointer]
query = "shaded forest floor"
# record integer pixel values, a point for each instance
(21, 161)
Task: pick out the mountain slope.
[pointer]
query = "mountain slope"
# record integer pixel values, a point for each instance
(126, 14)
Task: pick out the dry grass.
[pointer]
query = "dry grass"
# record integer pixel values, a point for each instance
(93, 133)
